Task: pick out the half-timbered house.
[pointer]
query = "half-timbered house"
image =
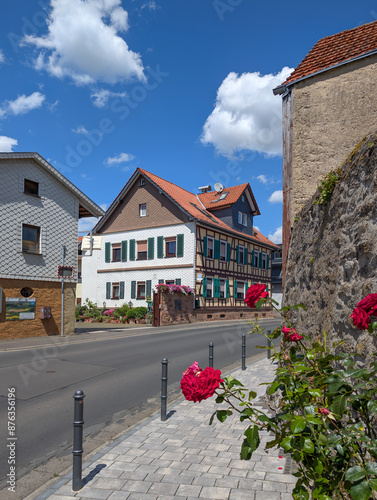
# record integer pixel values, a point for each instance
(157, 232)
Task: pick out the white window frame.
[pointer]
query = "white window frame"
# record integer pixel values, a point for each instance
(242, 218)
(115, 286)
(264, 260)
(37, 241)
(209, 288)
(138, 285)
(240, 285)
(116, 246)
(241, 251)
(256, 258)
(223, 245)
(222, 288)
(210, 247)
(143, 210)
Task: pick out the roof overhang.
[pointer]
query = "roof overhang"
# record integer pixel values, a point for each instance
(87, 207)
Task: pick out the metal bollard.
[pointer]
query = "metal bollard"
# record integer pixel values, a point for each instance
(78, 424)
(210, 357)
(243, 351)
(269, 345)
(164, 388)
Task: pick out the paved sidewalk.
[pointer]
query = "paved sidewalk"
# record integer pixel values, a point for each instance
(184, 458)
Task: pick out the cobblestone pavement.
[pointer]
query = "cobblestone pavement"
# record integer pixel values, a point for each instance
(184, 458)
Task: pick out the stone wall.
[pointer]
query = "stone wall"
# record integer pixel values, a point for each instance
(176, 308)
(332, 112)
(332, 261)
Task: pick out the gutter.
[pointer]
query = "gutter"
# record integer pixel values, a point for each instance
(283, 89)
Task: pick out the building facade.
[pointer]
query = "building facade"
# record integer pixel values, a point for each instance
(156, 232)
(40, 209)
(329, 105)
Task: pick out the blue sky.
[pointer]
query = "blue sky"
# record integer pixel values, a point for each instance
(180, 88)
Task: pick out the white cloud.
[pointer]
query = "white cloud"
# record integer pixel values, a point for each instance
(7, 143)
(101, 97)
(2, 57)
(263, 179)
(276, 197)
(247, 116)
(23, 104)
(83, 43)
(80, 130)
(151, 5)
(122, 158)
(277, 236)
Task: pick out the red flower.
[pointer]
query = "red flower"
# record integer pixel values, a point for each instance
(194, 369)
(360, 318)
(200, 385)
(290, 334)
(254, 293)
(323, 411)
(369, 303)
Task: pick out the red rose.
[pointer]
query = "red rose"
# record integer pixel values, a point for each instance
(290, 334)
(254, 293)
(368, 304)
(202, 385)
(360, 318)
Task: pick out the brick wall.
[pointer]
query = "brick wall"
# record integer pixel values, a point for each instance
(46, 294)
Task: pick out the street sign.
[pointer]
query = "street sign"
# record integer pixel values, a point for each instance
(66, 271)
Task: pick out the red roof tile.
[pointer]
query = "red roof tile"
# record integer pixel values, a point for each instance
(194, 206)
(211, 199)
(336, 49)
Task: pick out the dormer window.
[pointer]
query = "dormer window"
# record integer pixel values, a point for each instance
(31, 187)
(242, 218)
(142, 181)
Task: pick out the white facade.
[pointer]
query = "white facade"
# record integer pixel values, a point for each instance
(55, 211)
(96, 272)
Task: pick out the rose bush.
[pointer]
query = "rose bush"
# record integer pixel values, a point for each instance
(327, 416)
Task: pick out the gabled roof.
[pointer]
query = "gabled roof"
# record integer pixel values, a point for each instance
(335, 50)
(188, 202)
(87, 207)
(228, 196)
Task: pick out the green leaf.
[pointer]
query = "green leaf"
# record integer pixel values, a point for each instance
(318, 466)
(308, 446)
(338, 405)
(275, 334)
(298, 425)
(322, 439)
(252, 395)
(361, 491)
(354, 474)
(316, 393)
(220, 399)
(252, 436)
(373, 484)
(339, 449)
(371, 468)
(300, 493)
(286, 444)
(222, 415)
(212, 417)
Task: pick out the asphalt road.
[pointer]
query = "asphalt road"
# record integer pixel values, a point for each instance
(117, 370)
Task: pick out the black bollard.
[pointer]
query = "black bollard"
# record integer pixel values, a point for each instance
(210, 357)
(164, 388)
(269, 345)
(78, 424)
(243, 351)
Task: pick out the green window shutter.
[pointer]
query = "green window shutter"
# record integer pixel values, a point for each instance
(204, 287)
(237, 254)
(268, 262)
(133, 289)
(217, 249)
(245, 256)
(160, 247)
(108, 290)
(121, 290)
(246, 287)
(267, 288)
(150, 248)
(228, 252)
(205, 246)
(227, 289)
(149, 288)
(253, 258)
(107, 251)
(180, 245)
(235, 289)
(216, 287)
(124, 251)
(260, 259)
(178, 281)
(132, 250)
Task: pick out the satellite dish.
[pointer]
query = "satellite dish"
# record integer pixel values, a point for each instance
(218, 187)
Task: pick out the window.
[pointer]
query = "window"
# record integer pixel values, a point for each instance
(210, 247)
(264, 260)
(142, 181)
(143, 210)
(170, 247)
(116, 252)
(241, 254)
(31, 238)
(255, 258)
(240, 290)
(140, 290)
(31, 187)
(27, 292)
(169, 282)
(223, 248)
(222, 289)
(209, 288)
(115, 291)
(142, 250)
(242, 218)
